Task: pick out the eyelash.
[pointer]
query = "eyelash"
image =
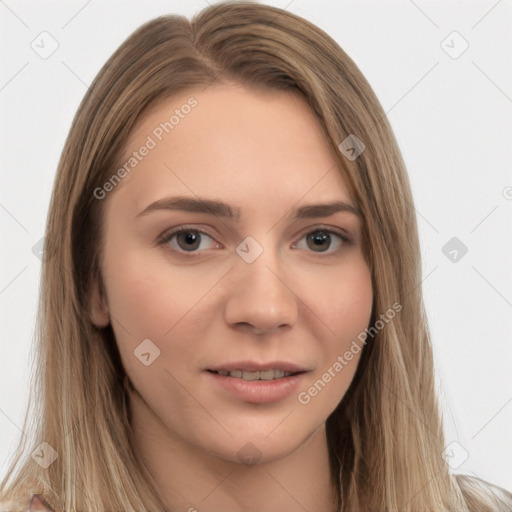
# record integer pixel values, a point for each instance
(167, 236)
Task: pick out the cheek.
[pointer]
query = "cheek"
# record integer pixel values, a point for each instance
(354, 313)
(342, 301)
(344, 306)
(147, 297)
(150, 299)
(354, 305)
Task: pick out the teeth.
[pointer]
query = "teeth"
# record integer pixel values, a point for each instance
(250, 375)
(263, 375)
(271, 374)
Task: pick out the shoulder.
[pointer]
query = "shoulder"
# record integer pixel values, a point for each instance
(481, 495)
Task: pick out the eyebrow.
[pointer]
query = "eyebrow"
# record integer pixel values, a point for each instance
(221, 209)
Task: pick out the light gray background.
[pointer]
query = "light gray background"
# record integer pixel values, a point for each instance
(453, 121)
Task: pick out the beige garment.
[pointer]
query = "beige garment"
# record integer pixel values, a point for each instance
(37, 502)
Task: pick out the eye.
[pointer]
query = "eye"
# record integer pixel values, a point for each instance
(189, 240)
(320, 240)
(185, 239)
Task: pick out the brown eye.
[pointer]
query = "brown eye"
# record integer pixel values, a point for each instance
(318, 240)
(187, 240)
(323, 241)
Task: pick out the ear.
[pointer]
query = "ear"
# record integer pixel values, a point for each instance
(98, 307)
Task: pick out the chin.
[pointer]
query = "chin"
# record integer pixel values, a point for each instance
(256, 447)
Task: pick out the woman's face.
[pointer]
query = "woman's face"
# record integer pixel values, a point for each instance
(266, 281)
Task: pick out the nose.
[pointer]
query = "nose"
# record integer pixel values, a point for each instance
(261, 297)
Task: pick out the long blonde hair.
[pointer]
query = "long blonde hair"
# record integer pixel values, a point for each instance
(385, 437)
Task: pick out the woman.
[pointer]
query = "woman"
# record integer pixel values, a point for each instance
(199, 349)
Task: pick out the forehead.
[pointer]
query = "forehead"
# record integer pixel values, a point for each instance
(233, 142)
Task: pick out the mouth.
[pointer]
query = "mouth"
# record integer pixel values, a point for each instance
(264, 375)
(257, 383)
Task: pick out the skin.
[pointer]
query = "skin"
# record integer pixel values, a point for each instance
(265, 153)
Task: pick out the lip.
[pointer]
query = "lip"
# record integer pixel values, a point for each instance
(257, 391)
(253, 366)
